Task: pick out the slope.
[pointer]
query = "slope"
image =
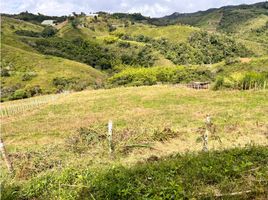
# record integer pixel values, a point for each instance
(25, 74)
(225, 18)
(8, 28)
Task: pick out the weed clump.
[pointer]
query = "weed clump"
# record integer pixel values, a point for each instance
(164, 134)
(83, 138)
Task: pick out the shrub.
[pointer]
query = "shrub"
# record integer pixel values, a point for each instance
(63, 83)
(253, 80)
(28, 33)
(110, 39)
(49, 31)
(231, 60)
(219, 83)
(7, 92)
(123, 44)
(75, 22)
(33, 90)
(28, 76)
(4, 72)
(150, 76)
(242, 81)
(19, 94)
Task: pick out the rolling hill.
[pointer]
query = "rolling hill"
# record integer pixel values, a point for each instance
(247, 22)
(136, 72)
(26, 73)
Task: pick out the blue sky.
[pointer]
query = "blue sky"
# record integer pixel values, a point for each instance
(153, 8)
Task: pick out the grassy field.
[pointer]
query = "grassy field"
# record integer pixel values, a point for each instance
(174, 33)
(140, 115)
(149, 122)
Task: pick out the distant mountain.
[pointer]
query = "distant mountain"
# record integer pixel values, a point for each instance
(222, 19)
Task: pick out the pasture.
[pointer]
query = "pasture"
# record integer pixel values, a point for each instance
(166, 117)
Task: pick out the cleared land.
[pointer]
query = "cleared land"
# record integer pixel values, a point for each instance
(63, 144)
(167, 118)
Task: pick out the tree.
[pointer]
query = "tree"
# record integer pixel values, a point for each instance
(75, 23)
(49, 31)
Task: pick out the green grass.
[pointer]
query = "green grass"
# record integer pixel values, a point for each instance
(45, 69)
(174, 33)
(8, 28)
(229, 174)
(137, 113)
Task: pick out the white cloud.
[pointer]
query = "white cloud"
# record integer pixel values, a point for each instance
(153, 8)
(149, 10)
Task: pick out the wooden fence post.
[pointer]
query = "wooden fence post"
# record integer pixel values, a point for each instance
(5, 156)
(110, 136)
(208, 124)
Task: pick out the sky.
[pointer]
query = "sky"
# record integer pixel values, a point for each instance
(152, 8)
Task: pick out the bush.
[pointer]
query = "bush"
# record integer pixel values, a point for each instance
(231, 60)
(110, 39)
(219, 83)
(49, 31)
(33, 90)
(4, 72)
(19, 94)
(75, 22)
(150, 76)
(123, 44)
(7, 92)
(242, 81)
(63, 83)
(28, 76)
(28, 33)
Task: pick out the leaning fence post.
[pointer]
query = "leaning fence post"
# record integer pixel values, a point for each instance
(5, 156)
(206, 133)
(110, 136)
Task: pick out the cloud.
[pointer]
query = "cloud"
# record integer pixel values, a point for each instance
(153, 8)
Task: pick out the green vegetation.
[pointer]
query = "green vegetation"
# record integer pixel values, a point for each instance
(176, 33)
(64, 142)
(92, 53)
(240, 81)
(25, 74)
(205, 175)
(154, 75)
(200, 48)
(224, 19)
(48, 31)
(58, 142)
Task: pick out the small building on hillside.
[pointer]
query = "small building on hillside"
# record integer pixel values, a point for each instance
(48, 23)
(93, 15)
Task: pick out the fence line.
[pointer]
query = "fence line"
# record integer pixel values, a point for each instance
(16, 108)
